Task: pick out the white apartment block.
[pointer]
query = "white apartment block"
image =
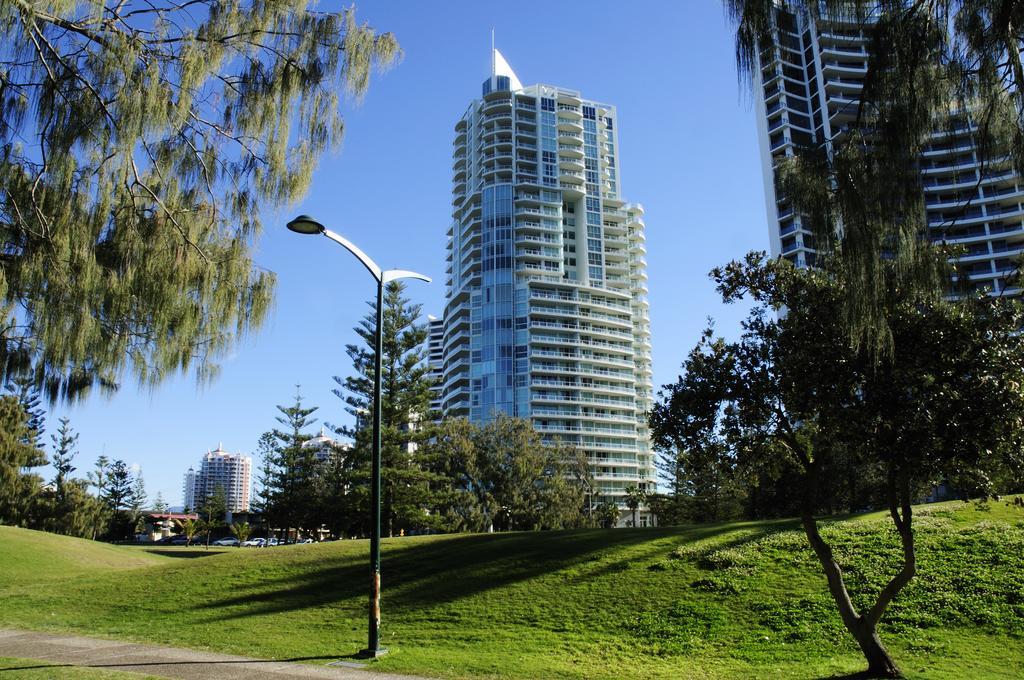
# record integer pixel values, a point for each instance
(232, 471)
(807, 90)
(325, 448)
(547, 312)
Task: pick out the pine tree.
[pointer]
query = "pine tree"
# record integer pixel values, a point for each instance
(290, 483)
(18, 489)
(141, 143)
(405, 411)
(118, 499)
(27, 394)
(139, 498)
(159, 504)
(266, 450)
(65, 448)
(98, 479)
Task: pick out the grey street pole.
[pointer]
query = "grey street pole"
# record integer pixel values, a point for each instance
(304, 224)
(373, 648)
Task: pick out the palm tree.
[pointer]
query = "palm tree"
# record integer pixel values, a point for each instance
(634, 499)
(242, 531)
(189, 527)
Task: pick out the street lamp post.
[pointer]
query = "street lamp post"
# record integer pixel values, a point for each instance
(304, 224)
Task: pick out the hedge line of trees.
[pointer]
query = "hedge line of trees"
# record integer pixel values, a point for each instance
(107, 503)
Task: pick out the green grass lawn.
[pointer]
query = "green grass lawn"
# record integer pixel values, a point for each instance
(737, 600)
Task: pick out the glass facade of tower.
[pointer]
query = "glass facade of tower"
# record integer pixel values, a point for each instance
(547, 314)
(807, 89)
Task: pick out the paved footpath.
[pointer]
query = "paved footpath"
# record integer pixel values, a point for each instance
(165, 662)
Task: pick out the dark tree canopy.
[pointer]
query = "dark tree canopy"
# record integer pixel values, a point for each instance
(793, 398)
(139, 143)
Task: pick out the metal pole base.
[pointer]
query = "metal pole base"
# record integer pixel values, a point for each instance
(373, 653)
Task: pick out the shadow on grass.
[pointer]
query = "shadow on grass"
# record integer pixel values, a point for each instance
(170, 662)
(182, 554)
(418, 575)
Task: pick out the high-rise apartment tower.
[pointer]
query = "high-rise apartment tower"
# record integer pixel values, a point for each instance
(547, 314)
(229, 471)
(807, 90)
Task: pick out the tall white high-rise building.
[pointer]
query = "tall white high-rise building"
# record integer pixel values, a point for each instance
(230, 471)
(547, 313)
(807, 87)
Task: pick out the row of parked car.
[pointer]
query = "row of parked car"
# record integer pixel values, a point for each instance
(260, 542)
(229, 541)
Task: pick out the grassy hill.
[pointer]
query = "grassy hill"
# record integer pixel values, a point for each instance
(742, 600)
(32, 556)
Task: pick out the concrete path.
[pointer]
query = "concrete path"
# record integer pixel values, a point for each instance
(164, 662)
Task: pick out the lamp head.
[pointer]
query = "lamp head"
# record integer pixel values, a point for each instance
(304, 224)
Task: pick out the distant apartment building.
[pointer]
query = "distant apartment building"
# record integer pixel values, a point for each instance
(325, 448)
(547, 312)
(230, 471)
(807, 86)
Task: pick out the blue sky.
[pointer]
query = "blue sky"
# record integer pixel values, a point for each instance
(688, 153)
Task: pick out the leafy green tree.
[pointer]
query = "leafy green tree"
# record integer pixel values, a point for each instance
(213, 509)
(405, 412)
(25, 390)
(342, 495)
(608, 513)
(19, 490)
(80, 513)
(668, 510)
(503, 477)
(795, 398)
(159, 504)
(140, 145)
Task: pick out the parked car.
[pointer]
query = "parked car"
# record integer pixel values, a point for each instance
(307, 540)
(227, 541)
(255, 543)
(271, 541)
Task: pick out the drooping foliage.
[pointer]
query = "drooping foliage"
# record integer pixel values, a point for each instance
(941, 65)
(139, 143)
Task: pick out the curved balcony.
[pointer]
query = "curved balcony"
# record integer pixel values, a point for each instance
(568, 137)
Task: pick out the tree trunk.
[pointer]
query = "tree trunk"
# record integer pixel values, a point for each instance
(863, 628)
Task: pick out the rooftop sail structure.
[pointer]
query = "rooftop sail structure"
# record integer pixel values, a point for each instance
(500, 67)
